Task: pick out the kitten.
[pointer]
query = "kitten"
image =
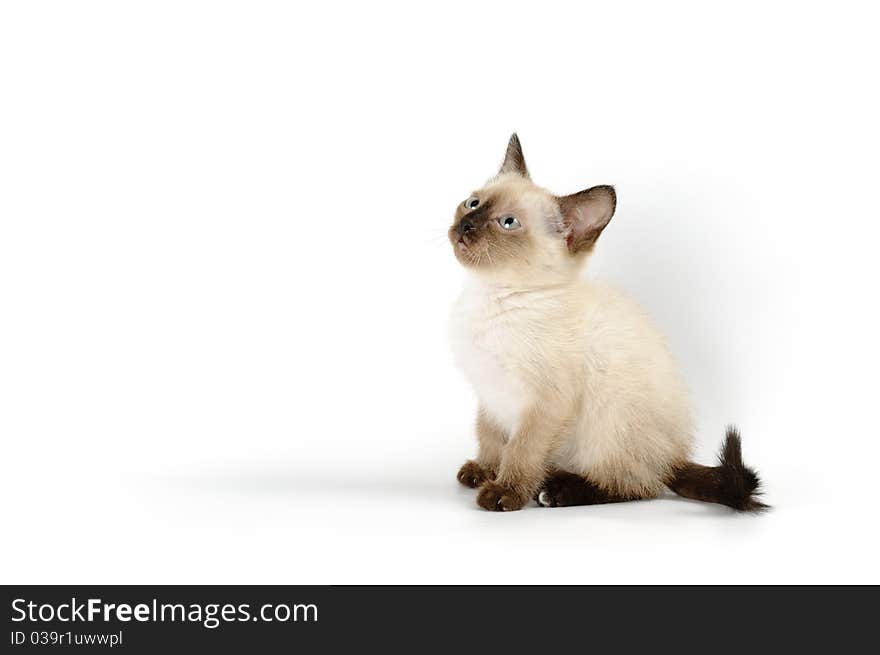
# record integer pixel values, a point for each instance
(580, 402)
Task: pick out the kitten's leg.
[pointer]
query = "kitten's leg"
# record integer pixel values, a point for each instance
(523, 462)
(491, 439)
(563, 489)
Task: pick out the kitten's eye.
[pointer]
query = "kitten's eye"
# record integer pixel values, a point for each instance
(472, 203)
(508, 223)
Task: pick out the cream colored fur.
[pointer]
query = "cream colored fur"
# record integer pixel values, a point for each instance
(570, 374)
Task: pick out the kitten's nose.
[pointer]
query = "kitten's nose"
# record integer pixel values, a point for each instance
(465, 226)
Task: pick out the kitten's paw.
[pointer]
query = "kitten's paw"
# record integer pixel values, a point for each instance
(500, 498)
(472, 474)
(557, 490)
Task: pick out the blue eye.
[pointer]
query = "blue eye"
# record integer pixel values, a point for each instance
(472, 203)
(508, 223)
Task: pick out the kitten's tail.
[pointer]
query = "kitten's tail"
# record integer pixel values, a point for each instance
(731, 483)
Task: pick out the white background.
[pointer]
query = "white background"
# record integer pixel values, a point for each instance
(224, 281)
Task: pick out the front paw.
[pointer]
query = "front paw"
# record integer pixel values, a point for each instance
(500, 498)
(472, 474)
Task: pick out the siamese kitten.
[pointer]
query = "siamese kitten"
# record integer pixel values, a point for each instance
(580, 402)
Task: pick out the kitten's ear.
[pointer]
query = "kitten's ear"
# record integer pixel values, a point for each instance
(585, 214)
(514, 162)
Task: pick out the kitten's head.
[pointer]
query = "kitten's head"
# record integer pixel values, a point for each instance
(514, 231)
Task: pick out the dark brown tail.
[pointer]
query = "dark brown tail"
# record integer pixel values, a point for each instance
(731, 483)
